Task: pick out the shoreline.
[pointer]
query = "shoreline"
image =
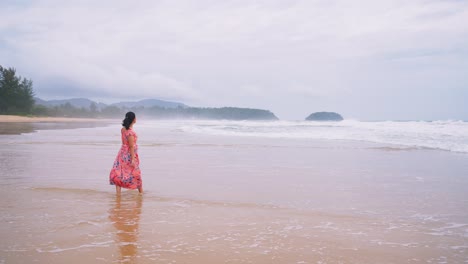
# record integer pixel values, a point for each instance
(37, 119)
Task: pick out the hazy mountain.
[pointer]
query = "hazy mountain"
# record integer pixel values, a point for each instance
(76, 102)
(147, 103)
(39, 101)
(86, 103)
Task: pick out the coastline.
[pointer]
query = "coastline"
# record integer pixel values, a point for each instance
(34, 119)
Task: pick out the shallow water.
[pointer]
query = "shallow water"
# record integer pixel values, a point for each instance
(227, 199)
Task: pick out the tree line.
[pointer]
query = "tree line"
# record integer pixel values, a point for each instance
(156, 112)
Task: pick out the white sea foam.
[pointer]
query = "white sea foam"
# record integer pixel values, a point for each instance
(92, 245)
(445, 135)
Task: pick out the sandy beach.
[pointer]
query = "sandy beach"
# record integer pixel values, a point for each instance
(226, 199)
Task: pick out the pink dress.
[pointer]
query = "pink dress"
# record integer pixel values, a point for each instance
(123, 173)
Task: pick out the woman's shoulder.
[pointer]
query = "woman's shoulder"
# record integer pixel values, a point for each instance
(128, 132)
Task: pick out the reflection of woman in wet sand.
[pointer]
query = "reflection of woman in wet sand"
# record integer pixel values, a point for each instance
(126, 217)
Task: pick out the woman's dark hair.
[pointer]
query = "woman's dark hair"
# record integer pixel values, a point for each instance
(129, 117)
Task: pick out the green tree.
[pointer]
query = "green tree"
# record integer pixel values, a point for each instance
(16, 93)
(41, 110)
(93, 108)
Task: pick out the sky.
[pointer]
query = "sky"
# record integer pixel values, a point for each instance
(365, 59)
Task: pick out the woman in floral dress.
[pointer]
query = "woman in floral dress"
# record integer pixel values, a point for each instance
(126, 170)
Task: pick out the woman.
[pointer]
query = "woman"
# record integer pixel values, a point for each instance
(126, 170)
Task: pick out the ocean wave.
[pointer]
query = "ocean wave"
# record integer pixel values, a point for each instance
(451, 135)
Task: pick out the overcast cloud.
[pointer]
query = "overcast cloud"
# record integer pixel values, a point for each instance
(364, 59)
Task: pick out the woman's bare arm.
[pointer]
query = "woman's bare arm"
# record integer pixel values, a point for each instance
(131, 147)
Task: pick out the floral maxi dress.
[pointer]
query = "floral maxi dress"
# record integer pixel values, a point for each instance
(123, 173)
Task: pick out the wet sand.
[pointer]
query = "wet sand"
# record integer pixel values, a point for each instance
(27, 119)
(13, 125)
(229, 200)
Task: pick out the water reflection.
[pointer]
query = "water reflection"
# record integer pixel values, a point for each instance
(16, 128)
(125, 216)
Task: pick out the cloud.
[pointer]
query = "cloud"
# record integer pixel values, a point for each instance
(249, 53)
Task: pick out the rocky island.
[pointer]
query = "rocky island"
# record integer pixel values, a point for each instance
(324, 116)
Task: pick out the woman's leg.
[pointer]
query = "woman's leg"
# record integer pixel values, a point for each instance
(118, 189)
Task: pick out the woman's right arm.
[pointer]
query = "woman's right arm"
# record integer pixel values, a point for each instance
(131, 148)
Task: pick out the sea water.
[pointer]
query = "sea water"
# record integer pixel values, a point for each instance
(444, 135)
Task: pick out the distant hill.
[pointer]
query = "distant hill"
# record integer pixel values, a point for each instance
(150, 103)
(39, 101)
(227, 113)
(86, 103)
(324, 116)
(76, 102)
